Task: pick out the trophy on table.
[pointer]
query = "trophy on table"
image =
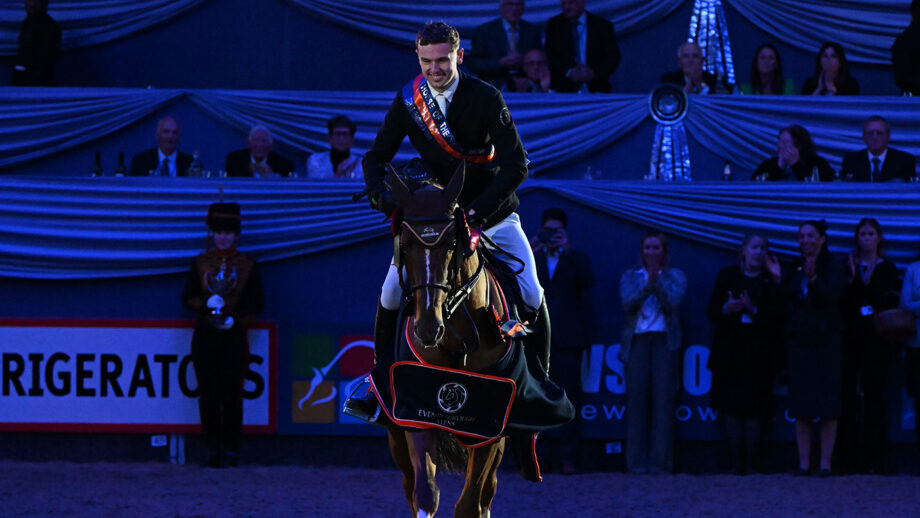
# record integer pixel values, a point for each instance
(219, 284)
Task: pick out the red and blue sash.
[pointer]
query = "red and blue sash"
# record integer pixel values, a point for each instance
(427, 115)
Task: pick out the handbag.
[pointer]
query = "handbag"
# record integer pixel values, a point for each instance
(895, 325)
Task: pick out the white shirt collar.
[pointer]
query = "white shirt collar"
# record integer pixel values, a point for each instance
(880, 157)
(254, 161)
(171, 156)
(449, 93)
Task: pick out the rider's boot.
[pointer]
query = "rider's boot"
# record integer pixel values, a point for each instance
(537, 343)
(367, 407)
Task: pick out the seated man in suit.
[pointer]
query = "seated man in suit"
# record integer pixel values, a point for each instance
(498, 45)
(165, 159)
(258, 159)
(691, 75)
(585, 67)
(567, 279)
(339, 163)
(877, 162)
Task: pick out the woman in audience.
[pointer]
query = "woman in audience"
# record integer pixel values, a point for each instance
(796, 159)
(651, 295)
(746, 310)
(767, 74)
(910, 299)
(813, 287)
(873, 287)
(832, 73)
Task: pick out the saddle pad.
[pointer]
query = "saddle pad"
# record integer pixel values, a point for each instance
(465, 403)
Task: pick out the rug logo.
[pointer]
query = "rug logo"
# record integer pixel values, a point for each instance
(429, 232)
(452, 397)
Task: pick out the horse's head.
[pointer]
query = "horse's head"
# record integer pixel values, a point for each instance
(430, 247)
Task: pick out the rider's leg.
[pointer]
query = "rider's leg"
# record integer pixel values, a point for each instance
(509, 235)
(366, 407)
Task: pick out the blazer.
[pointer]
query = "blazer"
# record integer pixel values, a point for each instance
(602, 52)
(477, 117)
(897, 166)
(237, 163)
(677, 78)
(490, 43)
(669, 290)
(845, 86)
(145, 161)
(568, 298)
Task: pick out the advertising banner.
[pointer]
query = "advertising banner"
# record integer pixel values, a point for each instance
(119, 375)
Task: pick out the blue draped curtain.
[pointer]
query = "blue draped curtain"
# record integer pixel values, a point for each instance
(85, 228)
(85, 23)
(865, 28)
(399, 21)
(557, 129)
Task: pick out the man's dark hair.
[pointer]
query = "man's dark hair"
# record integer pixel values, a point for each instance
(341, 121)
(438, 32)
(556, 214)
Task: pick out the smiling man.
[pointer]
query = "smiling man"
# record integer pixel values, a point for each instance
(450, 118)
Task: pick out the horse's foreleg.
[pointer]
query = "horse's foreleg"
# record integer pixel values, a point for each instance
(423, 452)
(491, 485)
(481, 481)
(399, 450)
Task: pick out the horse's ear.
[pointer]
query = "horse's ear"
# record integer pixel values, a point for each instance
(399, 188)
(452, 191)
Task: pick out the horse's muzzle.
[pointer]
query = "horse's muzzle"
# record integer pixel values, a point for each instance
(429, 335)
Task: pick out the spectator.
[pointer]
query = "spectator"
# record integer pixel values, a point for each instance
(223, 288)
(650, 350)
(567, 279)
(537, 77)
(39, 47)
(905, 54)
(814, 351)
(873, 287)
(796, 159)
(877, 162)
(258, 159)
(339, 163)
(832, 73)
(746, 310)
(691, 75)
(910, 299)
(499, 45)
(767, 74)
(582, 49)
(165, 159)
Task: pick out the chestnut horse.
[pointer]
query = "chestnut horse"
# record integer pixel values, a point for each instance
(450, 290)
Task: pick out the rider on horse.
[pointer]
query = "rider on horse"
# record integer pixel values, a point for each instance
(450, 118)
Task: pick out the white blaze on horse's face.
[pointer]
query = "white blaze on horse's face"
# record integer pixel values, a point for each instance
(427, 278)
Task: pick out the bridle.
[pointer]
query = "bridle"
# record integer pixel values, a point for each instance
(434, 232)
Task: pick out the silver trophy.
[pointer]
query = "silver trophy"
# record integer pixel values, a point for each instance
(219, 284)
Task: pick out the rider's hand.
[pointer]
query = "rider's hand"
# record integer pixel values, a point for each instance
(384, 201)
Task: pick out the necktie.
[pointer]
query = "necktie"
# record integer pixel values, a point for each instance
(876, 169)
(512, 39)
(164, 168)
(576, 41)
(443, 103)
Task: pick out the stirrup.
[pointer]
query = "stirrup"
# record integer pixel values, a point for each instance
(365, 408)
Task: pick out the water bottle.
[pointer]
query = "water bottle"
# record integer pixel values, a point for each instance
(120, 169)
(727, 172)
(97, 165)
(815, 177)
(195, 168)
